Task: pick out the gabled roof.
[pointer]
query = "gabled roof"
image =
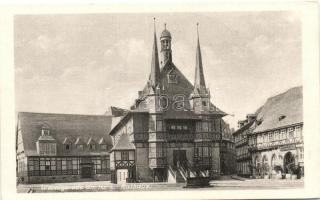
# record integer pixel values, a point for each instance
(183, 87)
(116, 111)
(79, 141)
(91, 141)
(124, 143)
(281, 110)
(102, 141)
(243, 128)
(66, 141)
(61, 126)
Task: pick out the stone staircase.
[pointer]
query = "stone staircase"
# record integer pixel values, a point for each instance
(175, 175)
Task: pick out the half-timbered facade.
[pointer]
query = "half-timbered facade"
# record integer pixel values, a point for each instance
(172, 130)
(276, 144)
(62, 147)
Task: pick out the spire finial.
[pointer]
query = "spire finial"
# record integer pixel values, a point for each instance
(154, 24)
(198, 29)
(165, 25)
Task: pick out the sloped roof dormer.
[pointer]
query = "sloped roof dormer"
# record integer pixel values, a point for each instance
(91, 141)
(66, 141)
(79, 141)
(102, 141)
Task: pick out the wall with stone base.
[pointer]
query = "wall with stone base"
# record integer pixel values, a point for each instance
(144, 173)
(66, 178)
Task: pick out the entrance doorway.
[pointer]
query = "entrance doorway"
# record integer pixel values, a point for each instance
(122, 175)
(288, 163)
(179, 158)
(86, 171)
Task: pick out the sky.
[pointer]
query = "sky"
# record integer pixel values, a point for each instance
(85, 63)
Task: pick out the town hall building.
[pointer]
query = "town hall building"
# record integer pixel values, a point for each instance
(173, 130)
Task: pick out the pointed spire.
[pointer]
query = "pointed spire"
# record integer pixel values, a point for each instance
(199, 76)
(155, 67)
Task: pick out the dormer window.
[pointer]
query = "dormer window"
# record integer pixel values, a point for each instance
(67, 144)
(282, 117)
(172, 77)
(103, 146)
(80, 146)
(204, 103)
(92, 146)
(45, 132)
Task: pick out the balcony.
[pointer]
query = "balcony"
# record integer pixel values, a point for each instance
(182, 137)
(207, 136)
(157, 137)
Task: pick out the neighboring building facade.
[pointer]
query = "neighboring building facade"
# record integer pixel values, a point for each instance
(62, 147)
(173, 130)
(270, 142)
(276, 144)
(227, 151)
(243, 156)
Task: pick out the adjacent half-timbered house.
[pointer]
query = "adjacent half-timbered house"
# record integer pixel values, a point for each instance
(62, 147)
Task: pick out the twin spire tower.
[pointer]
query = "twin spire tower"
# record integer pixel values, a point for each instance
(200, 89)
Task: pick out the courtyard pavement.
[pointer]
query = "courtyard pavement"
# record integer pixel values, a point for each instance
(95, 186)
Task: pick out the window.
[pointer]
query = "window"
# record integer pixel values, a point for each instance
(301, 153)
(291, 132)
(277, 136)
(103, 146)
(202, 150)
(298, 131)
(270, 136)
(172, 77)
(151, 124)
(131, 155)
(47, 148)
(283, 134)
(67, 147)
(159, 125)
(124, 155)
(92, 146)
(205, 126)
(198, 126)
(118, 155)
(204, 103)
(45, 132)
(64, 165)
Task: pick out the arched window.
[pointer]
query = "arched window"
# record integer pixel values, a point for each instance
(274, 161)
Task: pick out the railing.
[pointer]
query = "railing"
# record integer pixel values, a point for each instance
(173, 172)
(207, 136)
(187, 170)
(183, 172)
(157, 136)
(180, 137)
